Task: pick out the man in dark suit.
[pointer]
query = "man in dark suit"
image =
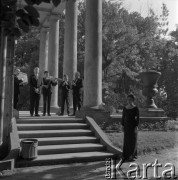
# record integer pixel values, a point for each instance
(35, 84)
(17, 84)
(47, 84)
(77, 86)
(65, 87)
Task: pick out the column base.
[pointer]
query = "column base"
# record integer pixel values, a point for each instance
(99, 114)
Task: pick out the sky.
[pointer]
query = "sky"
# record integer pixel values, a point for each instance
(142, 6)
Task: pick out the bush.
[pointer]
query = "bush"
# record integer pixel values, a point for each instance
(116, 127)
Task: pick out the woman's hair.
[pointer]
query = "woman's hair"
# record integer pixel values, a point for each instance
(45, 72)
(131, 96)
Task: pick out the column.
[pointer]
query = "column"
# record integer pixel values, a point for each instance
(93, 54)
(43, 59)
(53, 55)
(70, 41)
(3, 54)
(9, 92)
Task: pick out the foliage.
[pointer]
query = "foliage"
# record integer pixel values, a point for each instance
(169, 78)
(26, 17)
(161, 125)
(26, 48)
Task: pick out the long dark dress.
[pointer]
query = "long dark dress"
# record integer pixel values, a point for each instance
(130, 121)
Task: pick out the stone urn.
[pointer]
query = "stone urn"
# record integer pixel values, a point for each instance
(149, 81)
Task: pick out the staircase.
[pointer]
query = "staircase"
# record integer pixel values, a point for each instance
(61, 139)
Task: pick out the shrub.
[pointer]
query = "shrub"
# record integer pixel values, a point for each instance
(115, 126)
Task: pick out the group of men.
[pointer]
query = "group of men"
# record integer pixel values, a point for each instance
(43, 86)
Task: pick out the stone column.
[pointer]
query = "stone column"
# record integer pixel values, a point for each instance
(3, 54)
(53, 56)
(70, 41)
(43, 59)
(93, 54)
(9, 93)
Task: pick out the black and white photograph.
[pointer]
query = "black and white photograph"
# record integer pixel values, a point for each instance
(88, 89)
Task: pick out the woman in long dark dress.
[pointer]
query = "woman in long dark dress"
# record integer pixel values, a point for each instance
(130, 122)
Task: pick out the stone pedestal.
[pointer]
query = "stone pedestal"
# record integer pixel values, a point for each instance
(149, 81)
(152, 112)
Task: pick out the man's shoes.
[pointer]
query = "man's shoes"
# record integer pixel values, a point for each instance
(61, 114)
(37, 115)
(49, 114)
(31, 115)
(44, 114)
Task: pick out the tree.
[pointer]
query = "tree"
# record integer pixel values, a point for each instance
(26, 17)
(169, 78)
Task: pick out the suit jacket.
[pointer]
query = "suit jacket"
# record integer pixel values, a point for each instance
(65, 87)
(34, 84)
(17, 85)
(77, 88)
(49, 83)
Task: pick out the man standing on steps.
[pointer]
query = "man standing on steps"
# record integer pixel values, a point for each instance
(47, 84)
(65, 86)
(77, 86)
(35, 84)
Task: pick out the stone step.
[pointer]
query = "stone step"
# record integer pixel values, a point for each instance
(65, 158)
(66, 140)
(52, 126)
(48, 120)
(55, 133)
(70, 148)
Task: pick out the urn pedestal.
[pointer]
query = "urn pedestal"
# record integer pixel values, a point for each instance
(149, 81)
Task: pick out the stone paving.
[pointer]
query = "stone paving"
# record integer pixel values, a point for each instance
(95, 170)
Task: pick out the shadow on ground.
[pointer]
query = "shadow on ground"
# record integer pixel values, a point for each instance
(87, 171)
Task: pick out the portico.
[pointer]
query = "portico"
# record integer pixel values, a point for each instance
(49, 45)
(49, 49)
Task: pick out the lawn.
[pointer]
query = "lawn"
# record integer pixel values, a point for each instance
(148, 141)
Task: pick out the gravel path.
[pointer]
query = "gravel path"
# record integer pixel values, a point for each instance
(94, 170)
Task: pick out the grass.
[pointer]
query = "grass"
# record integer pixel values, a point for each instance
(149, 141)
